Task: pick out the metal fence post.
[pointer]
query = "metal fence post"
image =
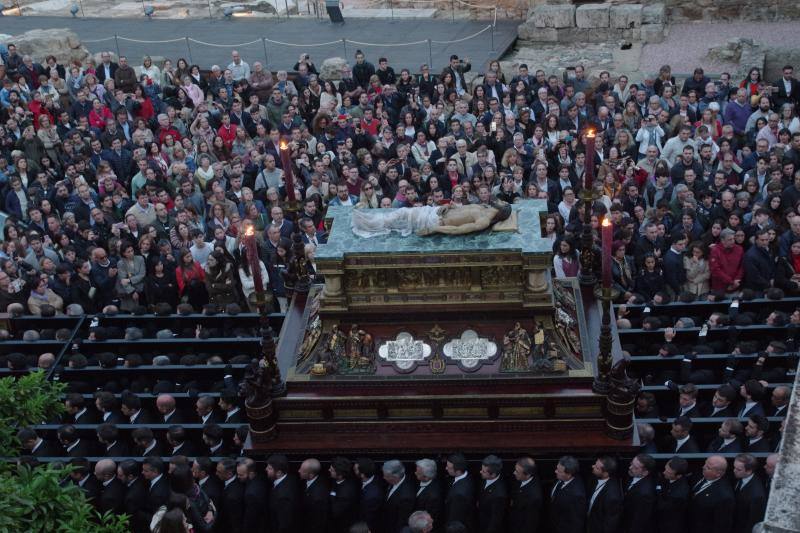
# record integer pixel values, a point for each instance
(344, 45)
(391, 8)
(430, 55)
(266, 57)
(189, 49)
(116, 44)
(453, 9)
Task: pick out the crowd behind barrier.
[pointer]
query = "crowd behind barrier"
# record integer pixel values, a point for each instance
(129, 189)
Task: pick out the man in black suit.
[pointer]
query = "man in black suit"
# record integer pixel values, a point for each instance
(282, 497)
(214, 440)
(131, 407)
(722, 404)
(752, 392)
(256, 493)
(567, 512)
(178, 443)
(788, 88)
(78, 412)
(153, 470)
(673, 497)
(110, 441)
(372, 493)
(106, 69)
(82, 476)
(712, 502)
(36, 446)
(729, 437)
(314, 505)
(106, 405)
(640, 495)
(146, 443)
(168, 411)
(680, 439)
(112, 491)
(399, 502)
(204, 407)
(343, 499)
(231, 513)
(459, 504)
(754, 432)
(135, 495)
(672, 263)
(493, 496)
(74, 446)
(687, 402)
(429, 493)
(525, 507)
(751, 498)
(229, 403)
(605, 503)
(780, 401)
(572, 121)
(204, 472)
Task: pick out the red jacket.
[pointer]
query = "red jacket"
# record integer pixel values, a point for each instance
(726, 266)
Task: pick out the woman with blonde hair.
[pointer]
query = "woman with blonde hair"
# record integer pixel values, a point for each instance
(367, 199)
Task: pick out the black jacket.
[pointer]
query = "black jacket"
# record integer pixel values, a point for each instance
(525, 507)
(112, 497)
(256, 494)
(711, 510)
(134, 506)
(157, 494)
(751, 502)
(492, 501)
(637, 512)
(370, 503)
(314, 506)
(282, 506)
(459, 504)
(47, 449)
(671, 506)
(429, 499)
(343, 503)
(117, 449)
(759, 269)
(230, 515)
(567, 512)
(605, 515)
(398, 507)
(718, 446)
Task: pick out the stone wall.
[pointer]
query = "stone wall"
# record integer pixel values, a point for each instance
(595, 23)
(730, 10)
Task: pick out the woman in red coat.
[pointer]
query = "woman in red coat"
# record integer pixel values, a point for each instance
(191, 281)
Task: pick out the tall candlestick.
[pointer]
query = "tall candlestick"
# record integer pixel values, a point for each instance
(607, 235)
(588, 176)
(288, 176)
(253, 260)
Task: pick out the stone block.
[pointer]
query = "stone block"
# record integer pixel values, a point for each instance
(528, 32)
(626, 16)
(654, 14)
(62, 43)
(331, 68)
(554, 16)
(632, 34)
(592, 16)
(653, 33)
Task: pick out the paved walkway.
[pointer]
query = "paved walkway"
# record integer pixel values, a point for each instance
(383, 33)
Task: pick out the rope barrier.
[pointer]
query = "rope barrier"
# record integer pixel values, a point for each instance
(489, 27)
(121, 38)
(224, 45)
(475, 6)
(303, 45)
(97, 40)
(387, 44)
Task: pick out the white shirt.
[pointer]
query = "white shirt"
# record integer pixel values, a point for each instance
(422, 486)
(107, 482)
(688, 408)
(754, 440)
(367, 482)
(681, 442)
(746, 408)
(310, 482)
(206, 417)
(79, 414)
(490, 481)
(229, 481)
(525, 482)
(166, 416)
(150, 447)
(176, 448)
(727, 441)
(459, 478)
(394, 488)
(231, 413)
(134, 415)
(155, 480)
(600, 484)
(634, 481)
(744, 481)
(278, 481)
(71, 446)
(213, 449)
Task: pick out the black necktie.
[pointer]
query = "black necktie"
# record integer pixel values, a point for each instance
(558, 488)
(739, 485)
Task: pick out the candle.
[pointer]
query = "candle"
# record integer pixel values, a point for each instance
(607, 236)
(588, 177)
(288, 177)
(252, 258)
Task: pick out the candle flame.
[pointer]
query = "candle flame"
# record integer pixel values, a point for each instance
(250, 231)
(284, 146)
(590, 134)
(606, 222)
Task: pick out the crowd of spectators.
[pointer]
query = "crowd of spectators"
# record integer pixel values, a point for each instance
(129, 188)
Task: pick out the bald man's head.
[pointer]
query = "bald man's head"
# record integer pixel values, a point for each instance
(715, 467)
(105, 469)
(46, 360)
(310, 469)
(165, 404)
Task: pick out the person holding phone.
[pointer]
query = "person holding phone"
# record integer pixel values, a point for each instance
(649, 134)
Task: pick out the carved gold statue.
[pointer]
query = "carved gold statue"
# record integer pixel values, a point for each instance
(516, 350)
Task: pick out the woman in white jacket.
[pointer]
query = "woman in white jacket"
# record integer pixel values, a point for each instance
(248, 282)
